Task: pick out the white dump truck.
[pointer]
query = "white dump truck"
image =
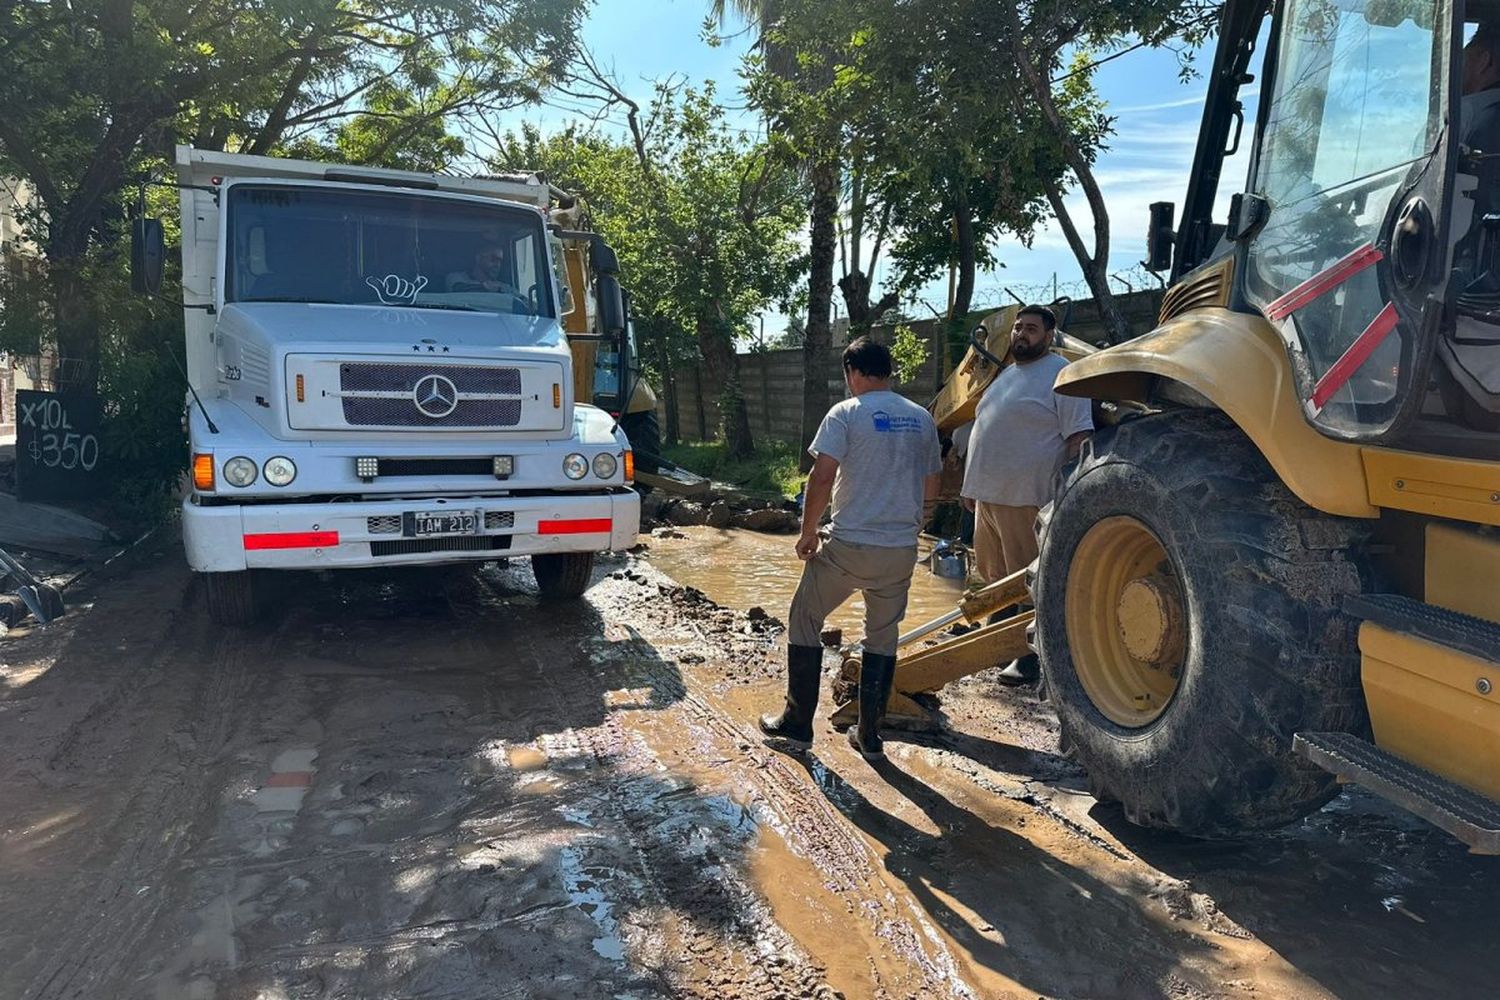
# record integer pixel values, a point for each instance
(379, 376)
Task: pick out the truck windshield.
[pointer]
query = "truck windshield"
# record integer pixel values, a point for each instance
(291, 243)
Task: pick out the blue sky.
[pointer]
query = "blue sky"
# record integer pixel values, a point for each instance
(1148, 159)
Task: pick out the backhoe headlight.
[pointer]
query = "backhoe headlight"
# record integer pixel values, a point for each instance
(575, 466)
(605, 465)
(280, 470)
(240, 471)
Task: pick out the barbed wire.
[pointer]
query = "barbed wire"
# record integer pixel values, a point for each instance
(1004, 293)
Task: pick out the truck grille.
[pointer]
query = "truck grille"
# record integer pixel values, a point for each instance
(367, 377)
(391, 401)
(469, 543)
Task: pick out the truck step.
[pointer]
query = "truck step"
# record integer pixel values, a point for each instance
(1469, 816)
(1453, 629)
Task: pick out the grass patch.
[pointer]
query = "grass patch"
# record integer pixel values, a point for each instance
(772, 470)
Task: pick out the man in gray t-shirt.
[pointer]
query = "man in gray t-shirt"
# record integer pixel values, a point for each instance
(878, 462)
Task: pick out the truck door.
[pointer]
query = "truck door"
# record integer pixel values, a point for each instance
(1344, 234)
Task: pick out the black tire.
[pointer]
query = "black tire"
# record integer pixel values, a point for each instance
(644, 431)
(562, 574)
(231, 597)
(1265, 649)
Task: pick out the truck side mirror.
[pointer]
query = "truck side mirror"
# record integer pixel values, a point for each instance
(611, 306)
(147, 255)
(1160, 236)
(603, 257)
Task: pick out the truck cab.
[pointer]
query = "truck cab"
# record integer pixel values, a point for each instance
(380, 375)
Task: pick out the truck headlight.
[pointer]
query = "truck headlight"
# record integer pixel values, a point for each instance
(240, 471)
(280, 470)
(575, 466)
(605, 465)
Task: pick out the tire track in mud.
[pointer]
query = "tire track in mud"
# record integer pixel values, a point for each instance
(814, 828)
(173, 804)
(787, 799)
(694, 926)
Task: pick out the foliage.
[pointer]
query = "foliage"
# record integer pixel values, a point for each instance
(144, 445)
(770, 470)
(143, 449)
(909, 353)
(94, 87)
(1048, 47)
(703, 223)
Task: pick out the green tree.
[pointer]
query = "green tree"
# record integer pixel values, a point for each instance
(1050, 47)
(790, 79)
(703, 222)
(91, 87)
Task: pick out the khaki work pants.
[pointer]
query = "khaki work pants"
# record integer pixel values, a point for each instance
(838, 569)
(1004, 539)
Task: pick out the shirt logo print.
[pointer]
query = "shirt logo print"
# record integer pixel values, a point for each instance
(887, 424)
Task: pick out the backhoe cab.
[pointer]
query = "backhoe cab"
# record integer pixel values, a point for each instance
(1288, 570)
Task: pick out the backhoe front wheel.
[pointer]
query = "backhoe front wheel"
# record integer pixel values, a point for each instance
(562, 574)
(1189, 622)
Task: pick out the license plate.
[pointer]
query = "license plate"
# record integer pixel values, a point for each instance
(427, 523)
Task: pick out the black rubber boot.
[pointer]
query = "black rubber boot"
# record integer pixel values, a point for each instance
(1019, 673)
(804, 667)
(876, 673)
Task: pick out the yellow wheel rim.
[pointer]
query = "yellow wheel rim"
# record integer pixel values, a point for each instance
(1126, 621)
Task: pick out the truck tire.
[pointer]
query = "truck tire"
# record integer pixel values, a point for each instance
(644, 431)
(231, 597)
(1190, 621)
(562, 574)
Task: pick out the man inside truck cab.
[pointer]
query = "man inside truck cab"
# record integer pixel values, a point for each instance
(486, 274)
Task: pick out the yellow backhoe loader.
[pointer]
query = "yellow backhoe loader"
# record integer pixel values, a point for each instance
(599, 373)
(1287, 572)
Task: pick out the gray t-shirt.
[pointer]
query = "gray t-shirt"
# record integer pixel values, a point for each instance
(886, 447)
(1021, 428)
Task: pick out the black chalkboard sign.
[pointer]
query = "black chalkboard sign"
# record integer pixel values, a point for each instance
(57, 445)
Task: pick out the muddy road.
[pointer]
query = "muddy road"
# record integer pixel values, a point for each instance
(425, 784)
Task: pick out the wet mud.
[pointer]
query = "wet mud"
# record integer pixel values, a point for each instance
(430, 784)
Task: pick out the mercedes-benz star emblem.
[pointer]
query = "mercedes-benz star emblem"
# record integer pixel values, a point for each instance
(435, 396)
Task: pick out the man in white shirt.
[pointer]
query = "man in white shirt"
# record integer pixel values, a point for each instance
(1023, 433)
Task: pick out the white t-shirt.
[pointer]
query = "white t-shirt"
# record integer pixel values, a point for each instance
(886, 447)
(1021, 429)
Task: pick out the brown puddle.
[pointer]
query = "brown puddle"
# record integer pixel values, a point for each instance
(743, 569)
(525, 759)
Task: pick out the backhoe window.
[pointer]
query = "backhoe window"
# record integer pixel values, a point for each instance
(1355, 108)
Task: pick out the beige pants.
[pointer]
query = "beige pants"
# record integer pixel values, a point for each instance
(829, 578)
(1004, 539)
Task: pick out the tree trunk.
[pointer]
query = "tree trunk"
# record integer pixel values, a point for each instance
(963, 227)
(955, 331)
(1095, 267)
(76, 317)
(673, 430)
(855, 287)
(819, 336)
(724, 367)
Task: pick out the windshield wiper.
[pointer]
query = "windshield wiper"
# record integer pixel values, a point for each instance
(292, 298)
(444, 305)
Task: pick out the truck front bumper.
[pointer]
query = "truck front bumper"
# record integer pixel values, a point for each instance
(230, 537)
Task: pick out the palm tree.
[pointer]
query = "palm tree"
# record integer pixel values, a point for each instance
(824, 172)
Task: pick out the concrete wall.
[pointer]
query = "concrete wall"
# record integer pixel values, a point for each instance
(772, 380)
